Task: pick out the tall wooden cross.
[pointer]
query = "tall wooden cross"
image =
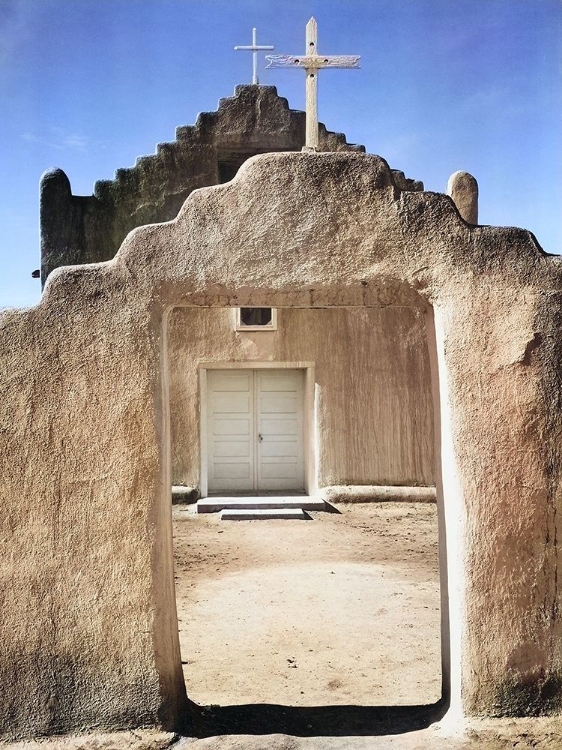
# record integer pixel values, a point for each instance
(312, 62)
(254, 48)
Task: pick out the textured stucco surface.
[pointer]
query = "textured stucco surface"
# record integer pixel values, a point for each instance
(371, 369)
(89, 633)
(463, 189)
(84, 543)
(87, 229)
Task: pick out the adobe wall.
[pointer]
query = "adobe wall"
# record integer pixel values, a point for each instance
(374, 408)
(86, 544)
(87, 229)
(88, 629)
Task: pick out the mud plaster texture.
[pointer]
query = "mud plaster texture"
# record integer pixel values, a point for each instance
(373, 412)
(86, 229)
(379, 354)
(89, 629)
(463, 189)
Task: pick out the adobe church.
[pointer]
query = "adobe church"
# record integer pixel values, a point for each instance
(318, 320)
(264, 399)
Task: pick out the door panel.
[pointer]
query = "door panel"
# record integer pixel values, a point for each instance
(280, 430)
(225, 427)
(231, 380)
(232, 470)
(273, 472)
(278, 427)
(279, 448)
(232, 403)
(230, 430)
(276, 403)
(279, 380)
(231, 449)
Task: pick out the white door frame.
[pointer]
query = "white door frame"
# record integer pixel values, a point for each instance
(309, 416)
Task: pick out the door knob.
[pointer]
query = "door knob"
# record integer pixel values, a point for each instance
(260, 437)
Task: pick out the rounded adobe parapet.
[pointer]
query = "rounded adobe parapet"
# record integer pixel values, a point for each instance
(55, 180)
(462, 187)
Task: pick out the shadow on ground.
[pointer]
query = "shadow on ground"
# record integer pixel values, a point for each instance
(319, 721)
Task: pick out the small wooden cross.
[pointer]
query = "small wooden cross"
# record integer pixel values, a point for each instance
(254, 48)
(312, 62)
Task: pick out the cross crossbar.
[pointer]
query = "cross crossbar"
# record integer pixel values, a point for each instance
(313, 61)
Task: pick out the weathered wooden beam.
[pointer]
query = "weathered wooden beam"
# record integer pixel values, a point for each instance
(313, 61)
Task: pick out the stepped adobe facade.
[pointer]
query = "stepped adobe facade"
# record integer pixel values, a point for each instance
(359, 373)
(393, 313)
(88, 229)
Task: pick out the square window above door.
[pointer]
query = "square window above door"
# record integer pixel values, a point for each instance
(256, 319)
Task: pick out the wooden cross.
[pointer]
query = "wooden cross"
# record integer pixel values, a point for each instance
(312, 62)
(254, 48)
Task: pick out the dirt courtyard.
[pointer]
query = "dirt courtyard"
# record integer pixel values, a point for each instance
(339, 614)
(339, 610)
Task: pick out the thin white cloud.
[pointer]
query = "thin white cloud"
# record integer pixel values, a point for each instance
(502, 99)
(76, 142)
(489, 96)
(59, 139)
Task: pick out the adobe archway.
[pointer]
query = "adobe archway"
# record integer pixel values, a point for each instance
(89, 601)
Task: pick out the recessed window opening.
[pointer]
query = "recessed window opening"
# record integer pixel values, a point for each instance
(317, 626)
(256, 318)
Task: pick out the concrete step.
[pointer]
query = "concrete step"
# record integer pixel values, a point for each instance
(214, 504)
(261, 514)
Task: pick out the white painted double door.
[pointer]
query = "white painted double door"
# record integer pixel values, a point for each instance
(255, 430)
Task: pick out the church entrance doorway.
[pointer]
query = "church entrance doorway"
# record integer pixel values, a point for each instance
(255, 430)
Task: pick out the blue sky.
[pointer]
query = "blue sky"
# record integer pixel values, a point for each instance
(89, 85)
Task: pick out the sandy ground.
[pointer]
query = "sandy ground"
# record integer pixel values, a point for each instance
(339, 610)
(317, 635)
(497, 734)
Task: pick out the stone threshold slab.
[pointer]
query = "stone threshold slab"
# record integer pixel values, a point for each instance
(261, 514)
(214, 504)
